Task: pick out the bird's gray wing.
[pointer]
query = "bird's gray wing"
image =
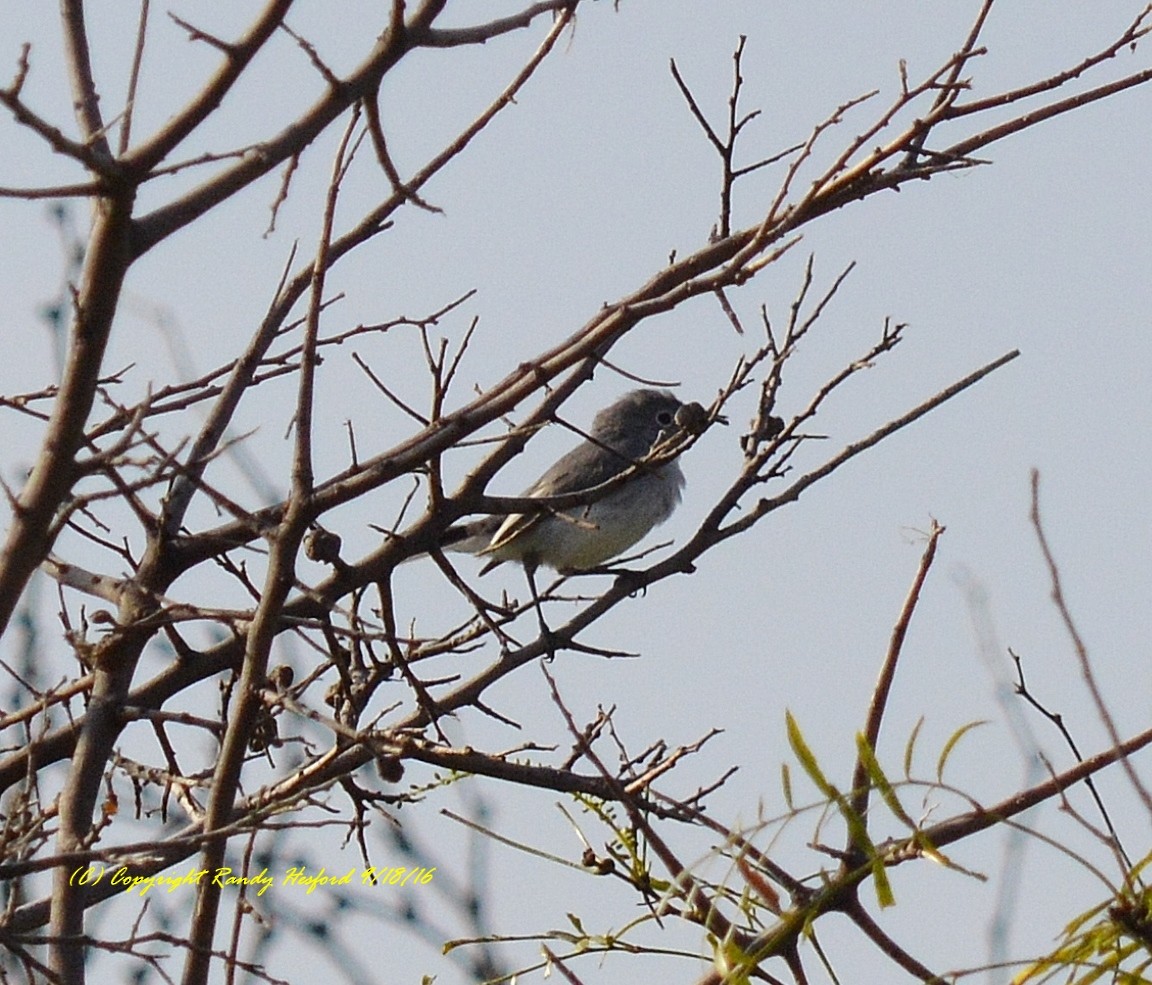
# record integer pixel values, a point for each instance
(584, 467)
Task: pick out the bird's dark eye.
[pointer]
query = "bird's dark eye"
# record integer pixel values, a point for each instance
(664, 417)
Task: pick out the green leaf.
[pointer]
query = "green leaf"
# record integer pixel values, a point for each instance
(951, 744)
(1077, 922)
(807, 759)
(884, 895)
(911, 746)
(731, 961)
(880, 780)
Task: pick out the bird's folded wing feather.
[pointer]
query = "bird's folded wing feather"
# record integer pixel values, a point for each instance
(582, 468)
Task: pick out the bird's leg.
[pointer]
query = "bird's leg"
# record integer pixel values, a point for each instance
(545, 633)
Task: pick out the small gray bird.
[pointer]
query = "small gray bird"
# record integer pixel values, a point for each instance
(581, 537)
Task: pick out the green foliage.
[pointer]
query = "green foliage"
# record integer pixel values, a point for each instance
(857, 829)
(1112, 940)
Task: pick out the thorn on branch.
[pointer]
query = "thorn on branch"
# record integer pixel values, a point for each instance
(728, 310)
(309, 49)
(195, 34)
(282, 193)
(376, 131)
(22, 66)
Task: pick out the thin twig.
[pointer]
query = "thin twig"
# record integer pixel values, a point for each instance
(1078, 644)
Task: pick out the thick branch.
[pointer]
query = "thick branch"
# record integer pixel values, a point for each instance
(50, 483)
(85, 98)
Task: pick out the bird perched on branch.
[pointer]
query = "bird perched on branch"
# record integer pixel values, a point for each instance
(578, 536)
